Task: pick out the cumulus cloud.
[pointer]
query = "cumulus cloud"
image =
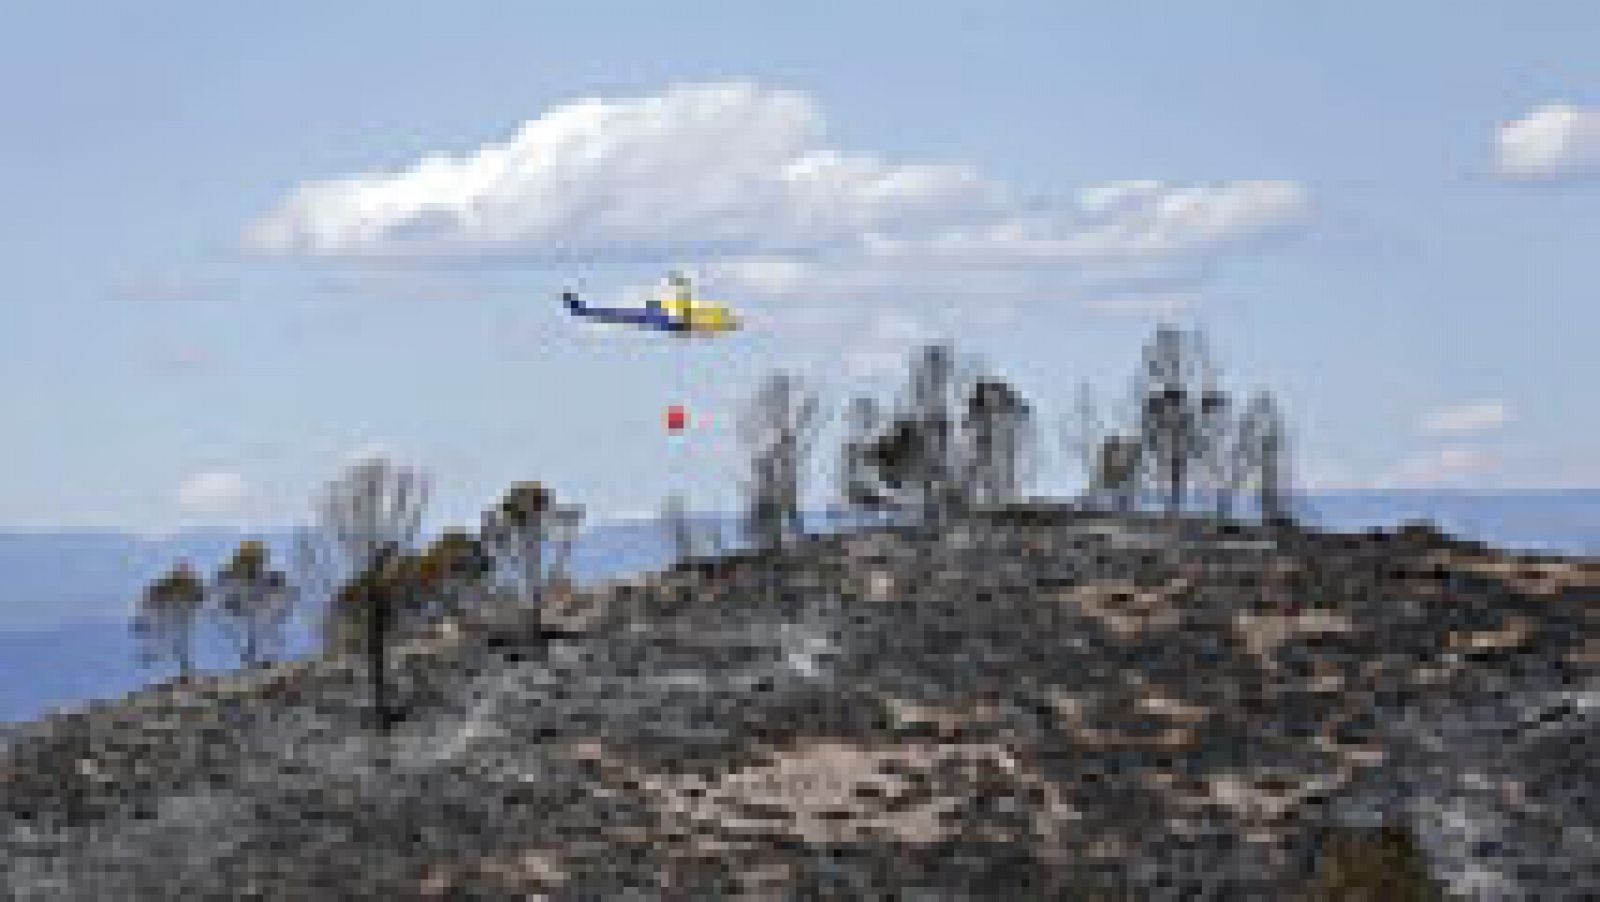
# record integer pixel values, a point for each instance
(1551, 141)
(1467, 417)
(747, 170)
(718, 162)
(212, 492)
(1118, 224)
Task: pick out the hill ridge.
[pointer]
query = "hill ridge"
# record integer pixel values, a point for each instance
(1045, 702)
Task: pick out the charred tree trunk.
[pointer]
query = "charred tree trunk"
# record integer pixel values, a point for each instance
(251, 654)
(186, 655)
(380, 621)
(377, 655)
(1175, 479)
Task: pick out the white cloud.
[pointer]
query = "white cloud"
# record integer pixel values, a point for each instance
(1448, 467)
(173, 286)
(720, 162)
(745, 169)
(1158, 306)
(212, 492)
(1553, 140)
(185, 357)
(1107, 227)
(881, 347)
(850, 343)
(1322, 475)
(1467, 417)
(795, 281)
(370, 452)
(769, 275)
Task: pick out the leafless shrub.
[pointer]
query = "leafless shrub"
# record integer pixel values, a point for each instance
(997, 442)
(367, 520)
(1181, 409)
(777, 428)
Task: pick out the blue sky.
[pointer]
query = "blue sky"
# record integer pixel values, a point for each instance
(1379, 210)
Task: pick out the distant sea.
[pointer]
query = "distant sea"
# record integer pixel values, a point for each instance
(65, 598)
(1557, 522)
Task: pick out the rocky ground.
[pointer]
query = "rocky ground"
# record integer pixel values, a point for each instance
(1045, 705)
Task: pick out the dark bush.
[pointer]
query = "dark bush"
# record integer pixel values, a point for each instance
(1382, 865)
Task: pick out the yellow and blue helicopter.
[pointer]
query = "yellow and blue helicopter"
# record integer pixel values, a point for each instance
(676, 310)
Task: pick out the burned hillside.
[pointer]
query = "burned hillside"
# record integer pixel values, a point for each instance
(1047, 702)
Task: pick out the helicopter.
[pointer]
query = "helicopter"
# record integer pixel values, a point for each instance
(675, 310)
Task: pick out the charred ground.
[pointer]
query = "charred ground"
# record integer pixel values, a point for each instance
(1044, 702)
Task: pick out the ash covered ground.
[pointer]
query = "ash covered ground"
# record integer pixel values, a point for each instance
(1044, 704)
